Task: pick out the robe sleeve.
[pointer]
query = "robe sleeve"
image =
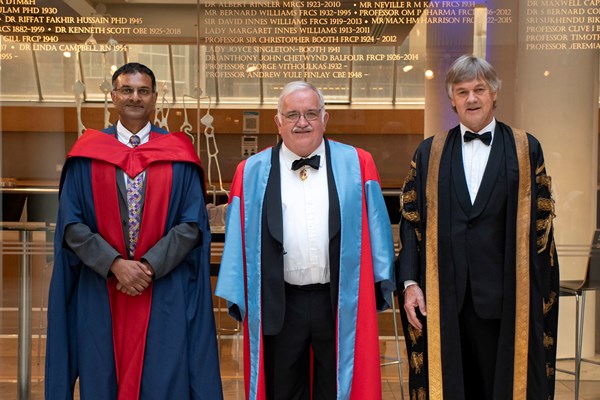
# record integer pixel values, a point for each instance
(407, 263)
(166, 254)
(231, 284)
(95, 252)
(380, 233)
(78, 236)
(545, 261)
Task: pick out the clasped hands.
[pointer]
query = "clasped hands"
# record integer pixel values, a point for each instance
(133, 277)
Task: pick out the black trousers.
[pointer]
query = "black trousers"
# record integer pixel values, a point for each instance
(479, 348)
(308, 324)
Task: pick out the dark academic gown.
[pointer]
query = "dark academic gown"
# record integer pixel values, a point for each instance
(508, 230)
(96, 333)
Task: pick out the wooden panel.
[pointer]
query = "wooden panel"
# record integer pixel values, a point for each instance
(376, 121)
(226, 121)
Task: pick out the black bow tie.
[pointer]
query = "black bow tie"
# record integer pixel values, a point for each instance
(313, 161)
(486, 137)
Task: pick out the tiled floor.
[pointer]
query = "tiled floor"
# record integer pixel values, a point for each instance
(589, 382)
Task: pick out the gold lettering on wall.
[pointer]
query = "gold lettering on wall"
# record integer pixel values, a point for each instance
(562, 25)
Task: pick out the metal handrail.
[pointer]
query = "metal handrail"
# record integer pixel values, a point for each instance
(26, 248)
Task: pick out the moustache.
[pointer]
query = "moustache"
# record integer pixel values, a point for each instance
(297, 129)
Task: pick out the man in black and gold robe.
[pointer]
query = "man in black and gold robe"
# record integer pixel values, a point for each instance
(478, 264)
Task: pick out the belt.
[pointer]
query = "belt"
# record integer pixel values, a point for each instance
(314, 287)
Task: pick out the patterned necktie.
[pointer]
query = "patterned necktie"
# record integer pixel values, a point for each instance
(134, 195)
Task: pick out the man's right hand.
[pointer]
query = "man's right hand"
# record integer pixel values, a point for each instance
(413, 300)
(132, 276)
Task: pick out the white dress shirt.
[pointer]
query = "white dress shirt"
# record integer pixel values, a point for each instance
(305, 206)
(475, 157)
(123, 134)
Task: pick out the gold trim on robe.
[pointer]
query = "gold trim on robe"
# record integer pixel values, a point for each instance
(522, 267)
(434, 345)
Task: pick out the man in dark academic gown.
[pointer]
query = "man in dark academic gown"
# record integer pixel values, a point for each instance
(130, 309)
(478, 263)
(308, 261)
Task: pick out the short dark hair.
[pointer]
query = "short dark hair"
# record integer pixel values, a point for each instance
(134, 68)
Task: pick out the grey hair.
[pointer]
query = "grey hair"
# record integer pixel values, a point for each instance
(296, 86)
(468, 68)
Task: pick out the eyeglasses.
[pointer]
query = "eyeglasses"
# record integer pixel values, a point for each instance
(129, 91)
(294, 116)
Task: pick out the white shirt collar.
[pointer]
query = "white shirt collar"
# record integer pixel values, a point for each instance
(289, 156)
(123, 134)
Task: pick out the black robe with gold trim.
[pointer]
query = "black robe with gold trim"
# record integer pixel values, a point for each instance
(527, 343)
